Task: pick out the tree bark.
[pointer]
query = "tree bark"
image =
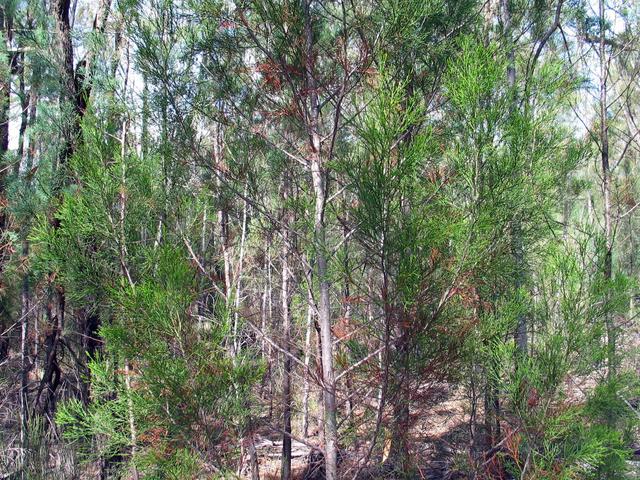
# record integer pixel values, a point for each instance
(5, 99)
(76, 88)
(307, 361)
(320, 180)
(238, 290)
(606, 189)
(285, 473)
(25, 288)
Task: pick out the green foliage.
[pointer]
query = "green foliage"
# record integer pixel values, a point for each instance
(562, 435)
(183, 386)
(452, 219)
(165, 389)
(101, 429)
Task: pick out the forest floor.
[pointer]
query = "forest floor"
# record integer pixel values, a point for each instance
(440, 438)
(439, 435)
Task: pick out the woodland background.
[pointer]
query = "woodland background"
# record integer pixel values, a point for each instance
(319, 239)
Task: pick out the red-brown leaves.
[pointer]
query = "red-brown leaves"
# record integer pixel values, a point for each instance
(275, 74)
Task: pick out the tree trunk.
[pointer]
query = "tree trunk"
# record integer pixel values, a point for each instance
(5, 99)
(516, 228)
(307, 361)
(76, 89)
(320, 177)
(24, 113)
(398, 456)
(25, 288)
(51, 376)
(285, 473)
(346, 313)
(238, 290)
(24, 353)
(606, 191)
(253, 457)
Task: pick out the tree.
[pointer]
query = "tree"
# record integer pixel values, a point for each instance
(318, 239)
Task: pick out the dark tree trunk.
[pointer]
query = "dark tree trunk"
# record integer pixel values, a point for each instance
(46, 396)
(5, 98)
(76, 89)
(606, 190)
(398, 457)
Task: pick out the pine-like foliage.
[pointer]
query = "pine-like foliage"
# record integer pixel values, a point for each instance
(319, 239)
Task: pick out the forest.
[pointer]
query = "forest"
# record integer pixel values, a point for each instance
(319, 239)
